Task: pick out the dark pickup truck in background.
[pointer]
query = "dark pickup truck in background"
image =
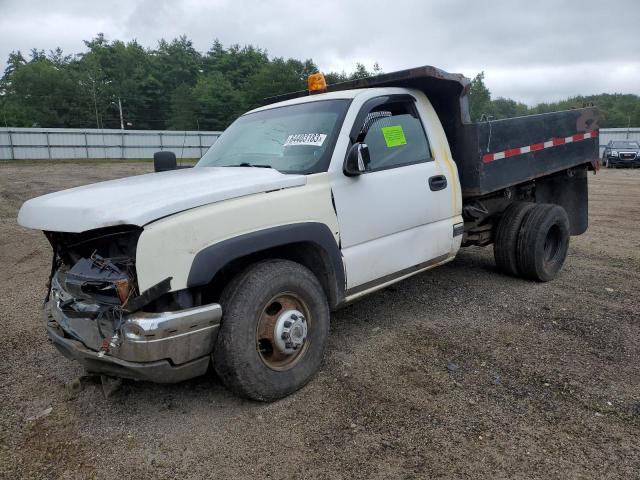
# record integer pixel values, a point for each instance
(621, 153)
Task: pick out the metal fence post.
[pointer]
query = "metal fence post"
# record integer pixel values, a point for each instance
(161, 142)
(48, 144)
(13, 153)
(200, 142)
(86, 145)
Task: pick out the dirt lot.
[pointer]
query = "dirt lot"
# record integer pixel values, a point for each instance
(459, 372)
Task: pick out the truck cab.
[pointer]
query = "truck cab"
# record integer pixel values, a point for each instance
(390, 213)
(300, 207)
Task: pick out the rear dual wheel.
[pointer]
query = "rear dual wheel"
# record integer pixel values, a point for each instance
(505, 243)
(543, 242)
(274, 330)
(532, 240)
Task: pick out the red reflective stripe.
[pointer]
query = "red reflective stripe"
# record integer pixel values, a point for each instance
(511, 152)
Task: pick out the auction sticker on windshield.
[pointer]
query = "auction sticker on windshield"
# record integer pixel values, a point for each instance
(315, 139)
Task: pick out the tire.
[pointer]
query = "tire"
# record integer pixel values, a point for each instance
(543, 242)
(506, 238)
(246, 358)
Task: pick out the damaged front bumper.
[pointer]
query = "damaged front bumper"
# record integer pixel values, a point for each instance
(164, 347)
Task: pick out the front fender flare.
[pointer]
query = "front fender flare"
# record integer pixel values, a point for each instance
(208, 262)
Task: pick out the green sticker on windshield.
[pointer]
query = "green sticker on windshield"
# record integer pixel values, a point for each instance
(394, 136)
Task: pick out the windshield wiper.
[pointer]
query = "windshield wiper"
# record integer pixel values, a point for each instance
(247, 164)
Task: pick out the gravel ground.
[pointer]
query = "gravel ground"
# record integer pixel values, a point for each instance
(459, 372)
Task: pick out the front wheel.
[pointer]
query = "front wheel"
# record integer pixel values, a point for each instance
(274, 330)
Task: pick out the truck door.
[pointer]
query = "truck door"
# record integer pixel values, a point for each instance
(394, 218)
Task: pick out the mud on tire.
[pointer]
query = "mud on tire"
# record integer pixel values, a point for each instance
(239, 358)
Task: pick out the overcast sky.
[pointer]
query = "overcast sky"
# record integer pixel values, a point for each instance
(531, 51)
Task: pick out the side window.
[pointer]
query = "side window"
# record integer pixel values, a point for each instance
(395, 137)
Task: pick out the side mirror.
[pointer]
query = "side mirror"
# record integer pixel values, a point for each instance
(164, 161)
(357, 160)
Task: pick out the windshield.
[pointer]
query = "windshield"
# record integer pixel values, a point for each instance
(292, 139)
(621, 144)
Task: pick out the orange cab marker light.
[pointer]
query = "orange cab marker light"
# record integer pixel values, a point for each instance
(316, 83)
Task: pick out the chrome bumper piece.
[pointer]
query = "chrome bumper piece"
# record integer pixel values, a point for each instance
(162, 371)
(163, 347)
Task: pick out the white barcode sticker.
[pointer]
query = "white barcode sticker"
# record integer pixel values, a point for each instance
(315, 139)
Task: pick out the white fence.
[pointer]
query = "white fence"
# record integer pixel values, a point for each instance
(79, 143)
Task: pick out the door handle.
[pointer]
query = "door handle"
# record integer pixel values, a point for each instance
(437, 182)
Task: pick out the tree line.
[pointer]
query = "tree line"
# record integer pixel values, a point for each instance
(617, 110)
(176, 87)
(173, 86)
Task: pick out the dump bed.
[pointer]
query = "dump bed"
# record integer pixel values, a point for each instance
(493, 155)
(496, 154)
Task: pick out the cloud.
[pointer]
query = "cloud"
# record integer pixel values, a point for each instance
(530, 51)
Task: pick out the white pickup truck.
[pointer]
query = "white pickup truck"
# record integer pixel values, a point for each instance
(300, 207)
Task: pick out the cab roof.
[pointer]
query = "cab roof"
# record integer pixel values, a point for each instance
(341, 94)
(447, 91)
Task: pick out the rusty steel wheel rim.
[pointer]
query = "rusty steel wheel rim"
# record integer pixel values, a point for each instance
(270, 315)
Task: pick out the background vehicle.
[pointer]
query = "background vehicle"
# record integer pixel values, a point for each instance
(621, 153)
(301, 207)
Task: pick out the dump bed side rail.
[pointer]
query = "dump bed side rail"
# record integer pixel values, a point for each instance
(498, 154)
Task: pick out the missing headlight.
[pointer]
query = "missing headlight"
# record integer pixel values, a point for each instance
(103, 280)
(98, 264)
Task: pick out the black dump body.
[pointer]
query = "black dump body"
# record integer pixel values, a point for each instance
(533, 146)
(493, 155)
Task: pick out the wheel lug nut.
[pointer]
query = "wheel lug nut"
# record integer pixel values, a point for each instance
(287, 324)
(284, 335)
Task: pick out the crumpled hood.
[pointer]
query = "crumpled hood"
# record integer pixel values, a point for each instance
(142, 199)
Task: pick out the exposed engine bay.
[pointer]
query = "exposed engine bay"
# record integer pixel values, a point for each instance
(93, 276)
(97, 315)
(98, 264)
